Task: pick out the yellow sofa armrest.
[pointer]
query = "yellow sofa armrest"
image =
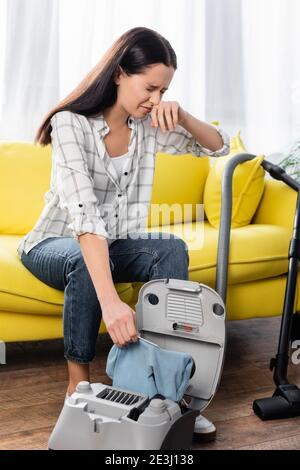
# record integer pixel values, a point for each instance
(277, 205)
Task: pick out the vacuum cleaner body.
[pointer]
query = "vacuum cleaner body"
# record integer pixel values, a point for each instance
(102, 417)
(177, 315)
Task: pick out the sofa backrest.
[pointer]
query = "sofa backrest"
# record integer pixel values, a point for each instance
(178, 187)
(277, 206)
(24, 178)
(25, 171)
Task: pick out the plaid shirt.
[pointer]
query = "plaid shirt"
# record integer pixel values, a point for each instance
(86, 194)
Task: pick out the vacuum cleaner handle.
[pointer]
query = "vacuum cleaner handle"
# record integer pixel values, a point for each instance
(279, 173)
(225, 222)
(281, 361)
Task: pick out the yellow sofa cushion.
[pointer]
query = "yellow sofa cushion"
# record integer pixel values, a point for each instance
(178, 187)
(247, 187)
(21, 291)
(237, 145)
(25, 171)
(264, 257)
(278, 205)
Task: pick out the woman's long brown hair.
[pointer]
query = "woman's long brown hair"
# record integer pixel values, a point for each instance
(134, 51)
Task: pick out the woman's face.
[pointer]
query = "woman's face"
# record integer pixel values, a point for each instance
(140, 91)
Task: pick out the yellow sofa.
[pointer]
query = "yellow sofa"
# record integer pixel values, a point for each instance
(31, 310)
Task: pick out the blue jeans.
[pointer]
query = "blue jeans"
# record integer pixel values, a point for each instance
(58, 262)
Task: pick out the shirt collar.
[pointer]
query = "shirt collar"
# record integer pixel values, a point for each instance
(103, 128)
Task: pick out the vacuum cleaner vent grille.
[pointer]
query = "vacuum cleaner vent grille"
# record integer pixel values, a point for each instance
(118, 396)
(184, 308)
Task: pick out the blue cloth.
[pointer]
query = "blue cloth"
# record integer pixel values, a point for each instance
(145, 368)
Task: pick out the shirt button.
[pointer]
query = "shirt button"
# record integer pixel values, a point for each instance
(80, 205)
(126, 173)
(116, 215)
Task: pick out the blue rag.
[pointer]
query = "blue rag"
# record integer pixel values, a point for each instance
(145, 368)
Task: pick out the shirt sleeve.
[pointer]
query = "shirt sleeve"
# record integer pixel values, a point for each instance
(180, 141)
(73, 179)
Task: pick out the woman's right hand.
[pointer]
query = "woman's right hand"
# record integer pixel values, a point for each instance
(120, 322)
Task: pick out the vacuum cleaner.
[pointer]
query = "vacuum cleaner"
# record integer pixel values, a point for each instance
(285, 402)
(177, 315)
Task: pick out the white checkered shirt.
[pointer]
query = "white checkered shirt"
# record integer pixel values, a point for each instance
(85, 192)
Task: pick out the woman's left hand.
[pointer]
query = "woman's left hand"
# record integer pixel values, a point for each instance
(167, 115)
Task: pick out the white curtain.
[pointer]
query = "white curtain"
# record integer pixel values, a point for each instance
(253, 70)
(29, 85)
(50, 45)
(238, 60)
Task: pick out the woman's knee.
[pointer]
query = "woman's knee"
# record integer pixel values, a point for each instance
(179, 246)
(175, 248)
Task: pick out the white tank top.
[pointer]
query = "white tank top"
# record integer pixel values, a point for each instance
(119, 163)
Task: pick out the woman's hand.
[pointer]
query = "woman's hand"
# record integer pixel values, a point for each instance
(120, 320)
(167, 115)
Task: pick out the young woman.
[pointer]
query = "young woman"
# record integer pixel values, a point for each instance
(89, 236)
